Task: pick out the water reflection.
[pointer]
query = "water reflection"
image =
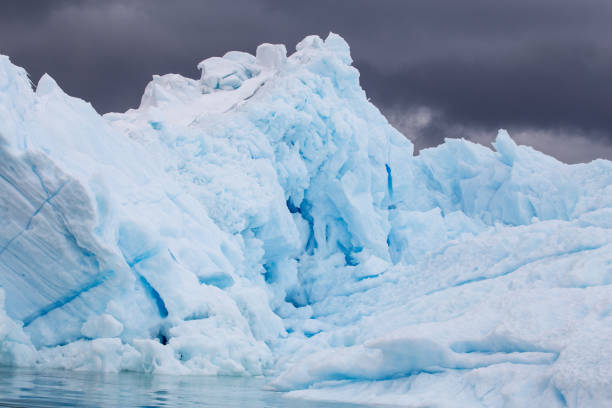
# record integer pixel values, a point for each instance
(30, 388)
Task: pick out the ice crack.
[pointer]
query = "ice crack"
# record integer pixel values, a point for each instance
(34, 214)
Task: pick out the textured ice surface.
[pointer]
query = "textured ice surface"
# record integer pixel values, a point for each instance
(266, 219)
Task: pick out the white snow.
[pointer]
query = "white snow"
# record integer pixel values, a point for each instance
(267, 220)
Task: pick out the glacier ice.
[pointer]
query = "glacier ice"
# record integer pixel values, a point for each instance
(266, 219)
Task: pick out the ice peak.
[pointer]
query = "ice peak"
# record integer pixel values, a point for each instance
(505, 146)
(235, 67)
(47, 85)
(10, 73)
(340, 47)
(310, 41)
(272, 56)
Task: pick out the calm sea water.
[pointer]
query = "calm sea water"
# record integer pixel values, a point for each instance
(29, 388)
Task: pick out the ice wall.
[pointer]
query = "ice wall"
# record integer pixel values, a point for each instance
(266, 219)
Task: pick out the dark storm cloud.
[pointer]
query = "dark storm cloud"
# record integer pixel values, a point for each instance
(535, 67)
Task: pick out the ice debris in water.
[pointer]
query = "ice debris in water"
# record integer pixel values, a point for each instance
(267, 219)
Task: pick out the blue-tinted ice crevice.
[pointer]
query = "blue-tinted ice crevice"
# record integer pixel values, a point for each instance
(133, 243)
(65, 299)
(29, 222)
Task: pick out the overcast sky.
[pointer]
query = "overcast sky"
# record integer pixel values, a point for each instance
(436, 68)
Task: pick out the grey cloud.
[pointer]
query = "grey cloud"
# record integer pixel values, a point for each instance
(426, 128)
(477, 64)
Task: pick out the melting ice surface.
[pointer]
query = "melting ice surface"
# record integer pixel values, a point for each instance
(267, 220)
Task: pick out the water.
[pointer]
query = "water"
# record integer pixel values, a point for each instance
(32, 389)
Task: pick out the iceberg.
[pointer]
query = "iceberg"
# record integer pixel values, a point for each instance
(267, 220)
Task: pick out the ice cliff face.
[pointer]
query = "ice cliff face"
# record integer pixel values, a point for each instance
(266, 219)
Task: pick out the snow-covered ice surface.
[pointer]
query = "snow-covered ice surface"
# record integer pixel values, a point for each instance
(267, 220)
